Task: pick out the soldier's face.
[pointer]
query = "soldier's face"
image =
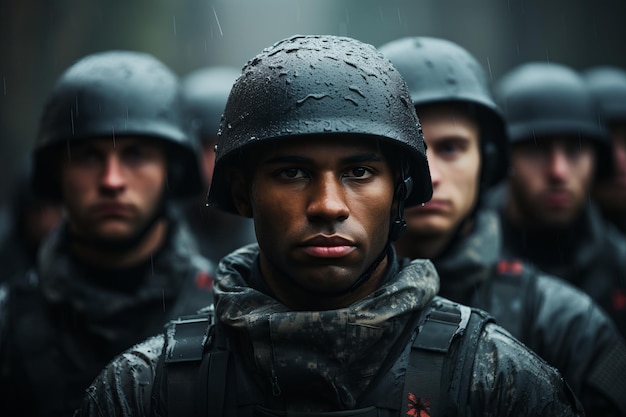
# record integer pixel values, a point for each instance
(611, 194)
(550, 180)
(321, 208)
(112, 188)
(453, 155)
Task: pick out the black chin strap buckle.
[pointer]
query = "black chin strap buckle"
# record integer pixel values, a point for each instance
(402, 191)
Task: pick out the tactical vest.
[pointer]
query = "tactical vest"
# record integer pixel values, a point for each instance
(199, 375)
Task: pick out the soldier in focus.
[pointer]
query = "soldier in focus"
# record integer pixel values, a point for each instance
(321, 146)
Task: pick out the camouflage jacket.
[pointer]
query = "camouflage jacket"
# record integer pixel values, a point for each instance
(556, 320)
(323, 361)
(65, 321)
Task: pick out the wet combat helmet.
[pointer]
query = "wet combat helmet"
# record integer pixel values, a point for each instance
(311, 85)
(608, 86)
(542, 99)
(440, 71)
(205, 92)
(116, 94)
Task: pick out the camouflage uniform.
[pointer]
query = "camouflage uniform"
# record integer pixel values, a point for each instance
(66, 321)
(559, 322)
(324, 361)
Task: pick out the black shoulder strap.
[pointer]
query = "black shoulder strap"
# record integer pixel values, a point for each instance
(424, 386)
(185, 341)
(508, 293)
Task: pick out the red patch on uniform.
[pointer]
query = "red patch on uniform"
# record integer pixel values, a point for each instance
(204, 280)
(418, 407)
(619, 299)
(510, 267)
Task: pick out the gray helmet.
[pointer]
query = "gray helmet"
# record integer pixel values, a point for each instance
(543, 99)
(608, 86)
(311, 85)
(114, 94)
(205, 92)
(440, 71)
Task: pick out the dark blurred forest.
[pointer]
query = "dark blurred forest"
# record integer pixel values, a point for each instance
(39, 39)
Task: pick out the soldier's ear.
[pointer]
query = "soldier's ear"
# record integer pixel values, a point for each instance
(240, 193)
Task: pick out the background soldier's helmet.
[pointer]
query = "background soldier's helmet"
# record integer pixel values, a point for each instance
(110, 95)
(608, 86)
(542, 99)
(440, 71)
(205, 92)
(312, 85)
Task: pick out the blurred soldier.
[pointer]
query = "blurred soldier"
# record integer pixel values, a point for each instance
(30, 218)
(467, 152)
(321, 146)
(111, 146)
(205, 92)
(608, 85)
(558, 150)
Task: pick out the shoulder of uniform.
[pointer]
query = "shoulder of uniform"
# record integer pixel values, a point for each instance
(126, 382)
(186, 337)
(444, 320)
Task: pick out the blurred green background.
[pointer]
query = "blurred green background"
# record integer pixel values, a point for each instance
(40, 38)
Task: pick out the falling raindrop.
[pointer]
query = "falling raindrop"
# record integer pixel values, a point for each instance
(174, 22)
(218, 22)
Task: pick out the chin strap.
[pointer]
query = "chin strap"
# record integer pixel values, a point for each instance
(402, 191)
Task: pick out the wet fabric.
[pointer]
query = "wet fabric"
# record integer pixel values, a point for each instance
(65, 321)
(559, 322)
(324, 361)
(590, 254)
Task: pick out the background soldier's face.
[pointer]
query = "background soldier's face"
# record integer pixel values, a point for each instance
(611, 194)
(112, 188)
(550, 179)
(321, 209)
(454, 161)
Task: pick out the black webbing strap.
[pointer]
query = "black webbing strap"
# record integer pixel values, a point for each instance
(186, 338)
(422, 385)
(507, 295)
(214, 374)
(609, 375)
